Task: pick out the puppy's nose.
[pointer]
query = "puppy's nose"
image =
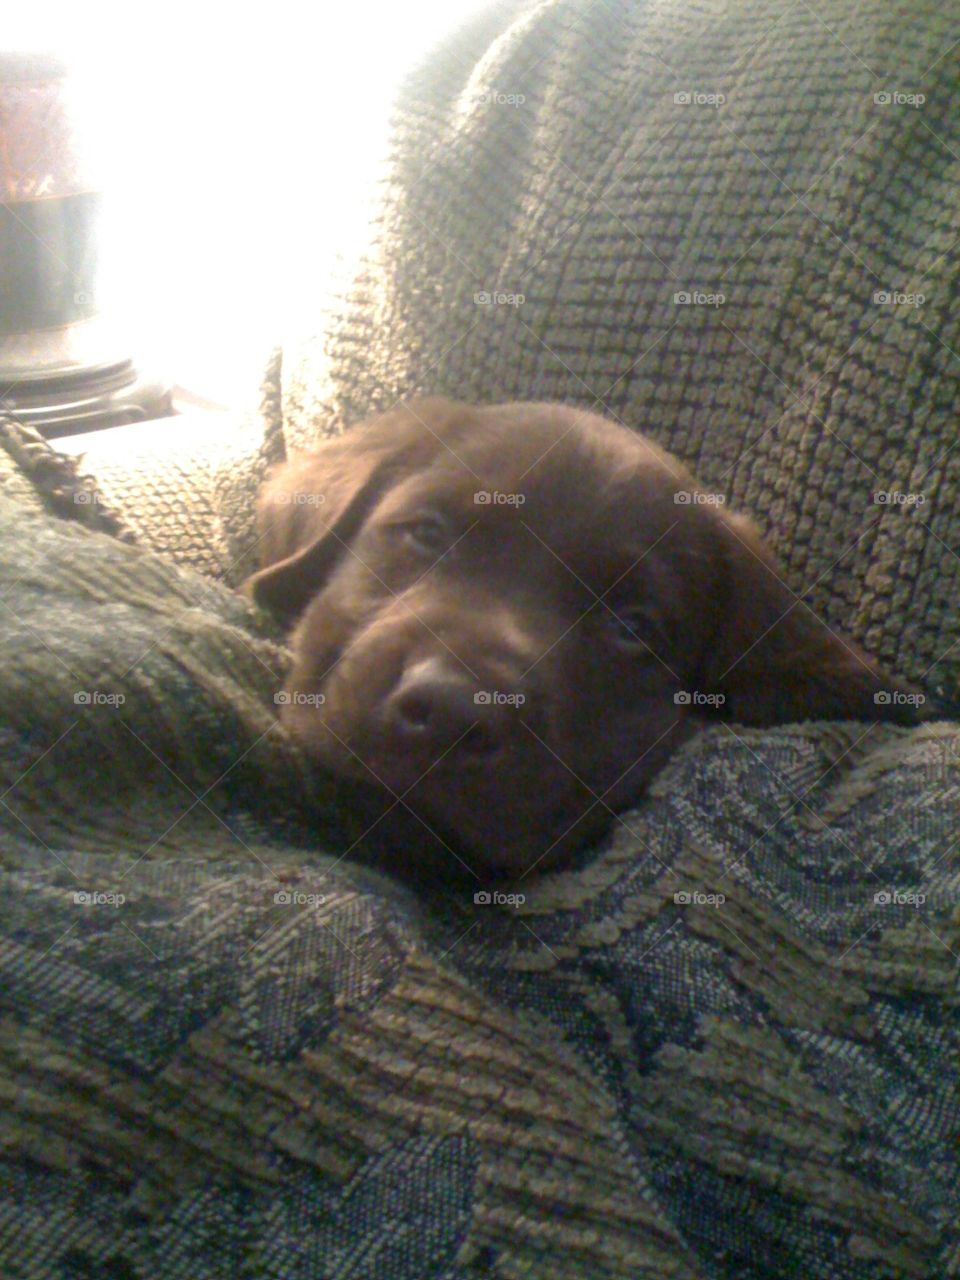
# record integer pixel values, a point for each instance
(436, 706)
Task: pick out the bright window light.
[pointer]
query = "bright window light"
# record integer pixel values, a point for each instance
(239, 150)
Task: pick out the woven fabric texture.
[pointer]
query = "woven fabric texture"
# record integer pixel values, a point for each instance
(552, 162)
(724, 1046)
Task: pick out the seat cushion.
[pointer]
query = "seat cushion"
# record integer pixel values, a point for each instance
(722, 1045)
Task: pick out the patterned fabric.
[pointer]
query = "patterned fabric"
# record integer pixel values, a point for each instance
(724, 1045)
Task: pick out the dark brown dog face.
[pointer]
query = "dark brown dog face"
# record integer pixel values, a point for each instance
(510, 616)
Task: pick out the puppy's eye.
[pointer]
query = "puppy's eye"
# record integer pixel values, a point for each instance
(632, 630)
(428, 534)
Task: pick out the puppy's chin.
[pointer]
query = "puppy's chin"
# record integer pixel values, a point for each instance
(507, 846)
(463, 820)
(446, 838)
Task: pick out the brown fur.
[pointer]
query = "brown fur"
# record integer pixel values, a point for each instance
(598, 600)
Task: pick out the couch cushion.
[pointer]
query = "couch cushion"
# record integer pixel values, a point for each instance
(575, 157)
(724, 1045)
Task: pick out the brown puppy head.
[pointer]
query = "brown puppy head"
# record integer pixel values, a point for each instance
(507, 617)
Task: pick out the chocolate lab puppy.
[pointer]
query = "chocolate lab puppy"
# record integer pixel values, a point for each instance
(509, 616)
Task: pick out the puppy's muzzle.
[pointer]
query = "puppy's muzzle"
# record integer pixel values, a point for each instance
(436, 709)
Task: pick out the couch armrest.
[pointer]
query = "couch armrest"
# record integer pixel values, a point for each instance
(184, 485)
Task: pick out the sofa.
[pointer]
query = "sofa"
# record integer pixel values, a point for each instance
(723, 1045)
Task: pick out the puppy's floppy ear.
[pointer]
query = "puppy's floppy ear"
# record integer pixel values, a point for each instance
(774, 661)
(313, 507)
(307, 523)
